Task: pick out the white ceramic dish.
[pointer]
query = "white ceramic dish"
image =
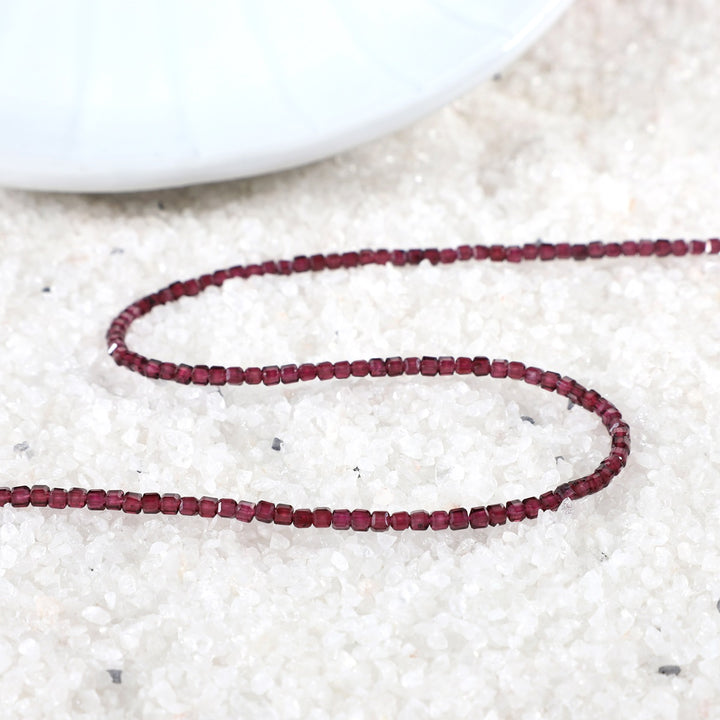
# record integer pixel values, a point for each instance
(140, 94)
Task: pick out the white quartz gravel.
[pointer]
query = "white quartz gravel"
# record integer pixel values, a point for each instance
(608, 128)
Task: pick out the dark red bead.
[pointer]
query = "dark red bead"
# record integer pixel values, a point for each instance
(499, 368)
(463, 366)
(57, 498)
(95, 500)
(662, 248)
(341, 519)
(432, 255)
(184, 373)
(20, 496)
(359, 368)
(549, 500)
(377, 367)
(645, 247)
(289, 373)
(189, 505)
(589, 399)
(629, 248)
(429, 366)
(481, 366)
(170, 504)
(400, 520)
(350, 259)
(235, 375)
(596, 249)
(516, 370)
(697, 247)
(76, 497)
(283, 514)
(245, 511)
(191, 287)
(380, 521)
(533, 375)
(714, 246)
(547, 251)
(152, 369)
(150, 503)
(265, 511)
(253, 375)
(458, 519)
(341, 369)
(446, 365)
(201, 374)
(227, 507)
(395, 366)
(613, 249)
(167, 370)
(549, 380)
(360, 520)
(478, 518)
(563, 251)
(481, 252)
(324, 370)
(532, 507)
(439, 520)
(580, 488)
(465, 252)
(414, 256)
(398, 257)
(497, 515)
(412, 365)
(5, 496)
(114, 500)
(679, 247)
(515, 510)
(132, 503)
(514, 254)
(419, 520)
(217, 375)
(207, 507)
(317, 262)
(530, 251)
(271, 375)
(302, 518)
(448, 255)
(564, 386)
(333, 261)
(322, 517)
(39, 495)
(497, 253)
(579, 251)
(177, 289)
(300, 264)
(307, 371)
(366, 257)
(565, 492)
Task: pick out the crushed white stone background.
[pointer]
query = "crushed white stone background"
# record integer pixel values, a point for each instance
(607, 129)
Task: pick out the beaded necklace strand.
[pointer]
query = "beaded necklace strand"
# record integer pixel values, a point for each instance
(360, 519)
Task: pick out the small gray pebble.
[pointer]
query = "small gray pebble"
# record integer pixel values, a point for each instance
(669, 669)
(527, 418)
(115, 676)
(718, 605)
(21, 446)
(571, 404)
(277, 444)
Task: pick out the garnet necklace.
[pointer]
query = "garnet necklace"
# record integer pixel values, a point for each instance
(360, 519)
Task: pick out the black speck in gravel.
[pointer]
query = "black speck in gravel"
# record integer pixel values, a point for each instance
(571, 404)
(116, 676)
(559, 457)
(117, 251)
(277, 444)
(161, 205)
(21, 447)
(46, 289)
(718, 605)
(669, 669)
(527, 418)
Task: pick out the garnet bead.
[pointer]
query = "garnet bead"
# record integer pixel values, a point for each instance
(302, 518)
(439, 520)
(170, 504)
(341, 519)
(208, 507)
(39, 495)
(150, 503)
(322, 517)
(496, 514)
(132, 503)
(400, 520)
(380, 521)
(95, 500)
(265, 511)
(478, 518)
(227, 507)
(114, 500)
(360, 520)
(419, 520)
(189, 505)
(283, 514)
(245, 511)
(20, 496)
(515, 510)
(57, 499)
(458, 519)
